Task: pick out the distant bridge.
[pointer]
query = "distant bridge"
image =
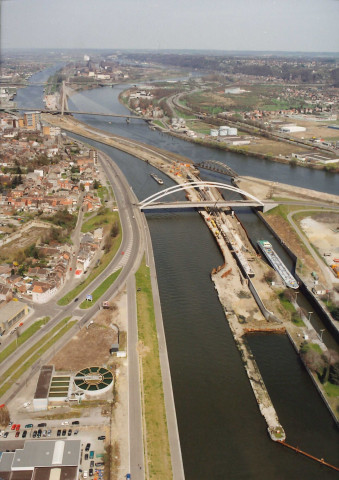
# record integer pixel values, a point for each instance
(216, 166)
(66, 112)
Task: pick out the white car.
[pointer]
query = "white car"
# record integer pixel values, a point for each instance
(27, 404)
(85, 474)
(65, 423)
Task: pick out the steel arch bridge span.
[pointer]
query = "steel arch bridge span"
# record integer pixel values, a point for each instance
(192, 185)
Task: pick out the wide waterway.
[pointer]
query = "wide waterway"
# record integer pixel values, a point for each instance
(221, 430)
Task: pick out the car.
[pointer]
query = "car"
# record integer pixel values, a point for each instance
(42, 425)
(10, 424)
(44, 433)
(99, 464)
(24, 434)
(35, 433)
(76, 422)
(13, 427)
(91, 463)
(76, 299)
(76, 432)
(49, 432)
(86, 456)
(64, 432)
(58, 433)
(88, 446)
(39, 433)
(27, 404)
(29, 425)
(6, 434)
(91, 454)
(90, 472)
(102, 437)
(17, 434)
(69, 432)
(17, 428)
(85, 474)
(65, 423)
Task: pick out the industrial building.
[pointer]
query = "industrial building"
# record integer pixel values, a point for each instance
(291, 128)
(42, 460)
(11, 313)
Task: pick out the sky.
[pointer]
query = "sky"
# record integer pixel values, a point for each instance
(266, 25)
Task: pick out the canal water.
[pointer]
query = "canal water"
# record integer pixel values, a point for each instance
(221, 430)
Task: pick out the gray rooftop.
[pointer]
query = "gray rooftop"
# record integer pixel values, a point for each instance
(10, 309)
(47, 453)
(6, 462)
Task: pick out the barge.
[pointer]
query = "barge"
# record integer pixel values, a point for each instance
(277, 264)
(157, 179)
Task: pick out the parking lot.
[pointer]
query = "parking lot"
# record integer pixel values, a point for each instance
(93, 440)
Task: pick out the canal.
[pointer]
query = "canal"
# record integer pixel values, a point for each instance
(221, 430)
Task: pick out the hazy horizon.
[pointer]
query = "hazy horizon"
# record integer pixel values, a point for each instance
(225, 25)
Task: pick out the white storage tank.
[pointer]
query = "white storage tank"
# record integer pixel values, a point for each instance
(224, 127)
(223, 133)
(232, 131)
(214, 132)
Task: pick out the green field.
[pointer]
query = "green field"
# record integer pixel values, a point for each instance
(98, 292)
(158, 456)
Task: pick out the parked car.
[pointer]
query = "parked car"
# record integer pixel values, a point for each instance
(17, 428)
(13, 427)
(35, 433)
(86, 456)
(6, 434)
(49, 432)
(27, 404)
(42, 425)
(90, 472)
(91, 454)
(39, 433)
(102, 437)
(91, 463)
(44, 433)
(99, 464)
(65, 423)
(88, 446)
(58, 433)
(76, 432)
(76, 422)
(17, 434)
(29, 425)
(24, 434)
(69, 432)
(64, 432)
(85, 474)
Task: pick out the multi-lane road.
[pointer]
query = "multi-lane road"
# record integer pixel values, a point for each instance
(135, 241)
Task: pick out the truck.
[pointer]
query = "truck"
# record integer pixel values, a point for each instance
(91, 454)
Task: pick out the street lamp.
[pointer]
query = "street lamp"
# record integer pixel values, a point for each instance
(309, 315)
(321, 334)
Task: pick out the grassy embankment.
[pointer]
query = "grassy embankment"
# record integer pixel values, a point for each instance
(157, 453)
(33, 354)
(22, 338)
(102, 288)
(105, 220)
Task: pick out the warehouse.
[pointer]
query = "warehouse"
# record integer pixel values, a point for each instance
(43, 460)
(291, 128)
(11, 313)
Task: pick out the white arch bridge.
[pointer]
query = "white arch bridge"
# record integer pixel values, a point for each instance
(153, 201)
